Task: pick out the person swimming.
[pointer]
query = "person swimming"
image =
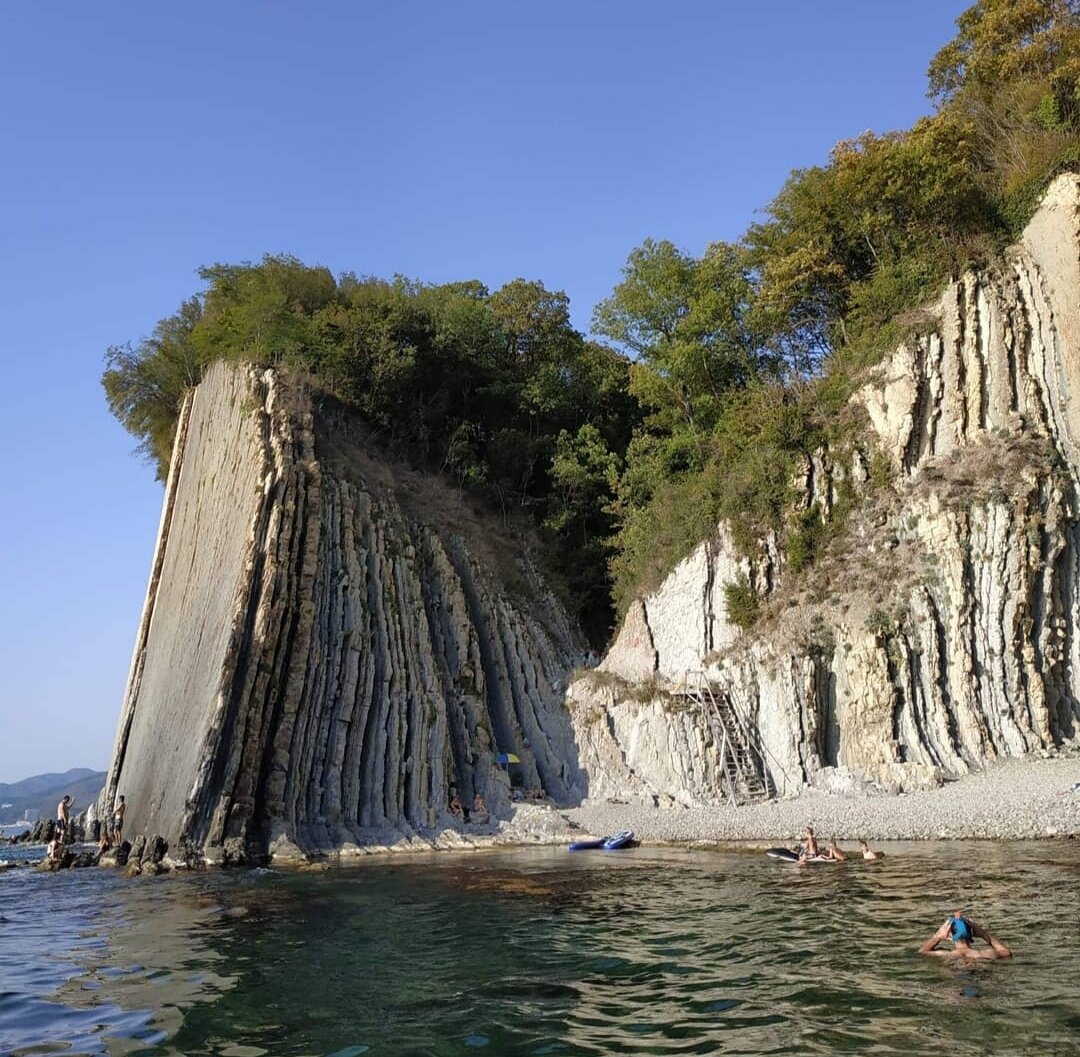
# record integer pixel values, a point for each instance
(867, 854)
(963, 932)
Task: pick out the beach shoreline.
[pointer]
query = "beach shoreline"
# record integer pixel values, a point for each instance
(1011, 800)
(1008, 800)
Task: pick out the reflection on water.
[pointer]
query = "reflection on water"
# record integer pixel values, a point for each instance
(646, 952)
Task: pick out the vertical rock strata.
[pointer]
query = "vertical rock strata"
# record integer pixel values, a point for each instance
(316, 667)
(942, 633)
(327, 646)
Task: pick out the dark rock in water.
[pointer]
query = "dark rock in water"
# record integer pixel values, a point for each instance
(83, 859)
(155, 850)
(138, 849)
(185, 855)
(64, 862)
(41, 832)
(120, 856)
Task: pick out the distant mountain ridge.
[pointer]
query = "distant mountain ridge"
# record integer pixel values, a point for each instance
(39, 793)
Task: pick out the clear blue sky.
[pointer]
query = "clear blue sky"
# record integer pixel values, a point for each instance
(443, 141)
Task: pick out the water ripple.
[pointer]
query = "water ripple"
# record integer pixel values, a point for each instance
(538, 953)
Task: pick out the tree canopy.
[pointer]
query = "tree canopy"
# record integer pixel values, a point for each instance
(726, 371)
(495, 389)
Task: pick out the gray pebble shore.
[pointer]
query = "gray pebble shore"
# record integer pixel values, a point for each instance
(1011, 800)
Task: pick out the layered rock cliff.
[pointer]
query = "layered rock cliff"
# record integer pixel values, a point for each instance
(322, 658)
(331, 646)
(940, 631)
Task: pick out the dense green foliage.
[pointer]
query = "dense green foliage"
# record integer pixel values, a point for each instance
(496, 390)
(736, 366)
(746, 357)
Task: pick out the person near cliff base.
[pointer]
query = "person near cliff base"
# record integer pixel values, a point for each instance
(963, 932)
(867, 854)
(63, 817)
(810, 849)
(118, 819)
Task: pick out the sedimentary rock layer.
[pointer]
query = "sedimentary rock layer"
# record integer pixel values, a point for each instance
(327, 648)
(941, 633)
(319, 663)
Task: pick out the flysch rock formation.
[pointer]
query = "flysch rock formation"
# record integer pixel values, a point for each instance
(941, 632)
(327, 648)
(321, 660)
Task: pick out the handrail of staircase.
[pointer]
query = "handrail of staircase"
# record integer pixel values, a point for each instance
(732, 796)
(751, 742)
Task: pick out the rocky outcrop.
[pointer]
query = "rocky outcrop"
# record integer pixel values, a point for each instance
(940, 632)
(322, 658)
(331, 647)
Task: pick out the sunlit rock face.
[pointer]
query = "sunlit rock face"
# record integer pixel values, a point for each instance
(941, 632)
(323, 655)
(330, 643)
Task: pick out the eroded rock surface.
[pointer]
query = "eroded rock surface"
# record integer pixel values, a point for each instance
(942, 632)
(327, 648)
(319, 662)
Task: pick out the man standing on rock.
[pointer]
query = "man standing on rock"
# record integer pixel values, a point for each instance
(118, 820)
(63, 818)
(963, 933)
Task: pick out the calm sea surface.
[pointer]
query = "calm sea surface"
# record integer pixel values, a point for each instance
(642, 952)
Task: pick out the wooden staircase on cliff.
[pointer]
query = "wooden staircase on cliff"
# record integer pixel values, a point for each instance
(742, 764)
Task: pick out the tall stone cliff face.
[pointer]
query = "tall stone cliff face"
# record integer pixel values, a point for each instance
(319, 660)
(328, 646)
(942, 631)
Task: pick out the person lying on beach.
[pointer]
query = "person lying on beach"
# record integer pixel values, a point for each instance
(833, 851)
(867, 854)
(963, 932)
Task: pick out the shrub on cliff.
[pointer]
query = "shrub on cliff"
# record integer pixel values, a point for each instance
(497, 390)
(736, 367)
(747, 356)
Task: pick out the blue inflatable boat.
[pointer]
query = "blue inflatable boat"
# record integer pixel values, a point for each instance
(620, 840)
(588, 845)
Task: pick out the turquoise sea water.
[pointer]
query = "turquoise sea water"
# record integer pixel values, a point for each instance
(544, 952)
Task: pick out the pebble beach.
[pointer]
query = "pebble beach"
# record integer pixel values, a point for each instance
(1011, 800)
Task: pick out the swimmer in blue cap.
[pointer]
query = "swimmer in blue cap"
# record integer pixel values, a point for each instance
(963, 932)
